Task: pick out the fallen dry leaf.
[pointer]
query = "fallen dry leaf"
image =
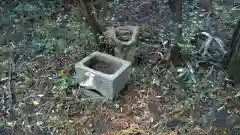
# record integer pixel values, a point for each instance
(111, 133)
(134, 126)
(121, 122)
(173, 133)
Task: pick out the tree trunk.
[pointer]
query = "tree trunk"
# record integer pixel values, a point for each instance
(205, 4)
(228, 3)
(234, 56)
(91, 18)
(176, 9)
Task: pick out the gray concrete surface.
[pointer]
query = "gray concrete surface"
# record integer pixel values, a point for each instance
(109, 85)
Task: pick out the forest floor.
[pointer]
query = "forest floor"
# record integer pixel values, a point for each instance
(160, 99)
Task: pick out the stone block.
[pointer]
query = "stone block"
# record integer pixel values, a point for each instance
(106, 74)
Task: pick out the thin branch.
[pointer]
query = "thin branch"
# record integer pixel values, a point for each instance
(146, 2)
(11, 95)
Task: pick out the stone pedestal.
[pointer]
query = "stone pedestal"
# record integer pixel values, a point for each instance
(125, 44)
(108, 83)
